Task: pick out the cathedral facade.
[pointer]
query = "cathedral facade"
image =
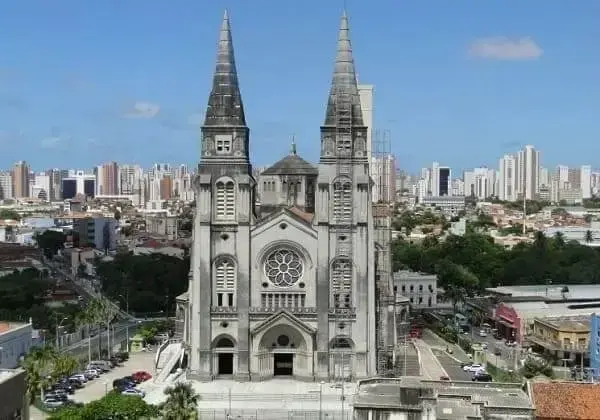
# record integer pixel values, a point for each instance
(282, 276)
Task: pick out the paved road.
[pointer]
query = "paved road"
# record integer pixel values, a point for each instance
(452, 366)
(431, 368)
(506, 360)
(80, 348)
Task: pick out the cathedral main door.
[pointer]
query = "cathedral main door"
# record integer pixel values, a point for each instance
(225, 363)
(283, 364)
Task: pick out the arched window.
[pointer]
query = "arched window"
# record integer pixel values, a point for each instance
(225, 282)
(341, 283)
(342, 201)
(225, 200)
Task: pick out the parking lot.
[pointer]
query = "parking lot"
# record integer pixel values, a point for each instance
(98, 387)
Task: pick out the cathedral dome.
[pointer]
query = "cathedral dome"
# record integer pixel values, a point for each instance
(292, 164)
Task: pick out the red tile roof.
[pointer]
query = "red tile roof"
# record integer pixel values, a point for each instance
(566, 401)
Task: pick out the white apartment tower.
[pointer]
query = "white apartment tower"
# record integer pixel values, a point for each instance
(528, 165)
(507, 190)
(586, 181)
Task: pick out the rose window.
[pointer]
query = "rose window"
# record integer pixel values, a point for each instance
(284, 267)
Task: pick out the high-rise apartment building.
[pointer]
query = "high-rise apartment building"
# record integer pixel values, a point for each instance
(507, 185)
(383, 173)
(6, 186)
(107, 179)
(366, 106)
(586, 181)
(40, 188)
(480, 183)
(528, 165)
(20, 179)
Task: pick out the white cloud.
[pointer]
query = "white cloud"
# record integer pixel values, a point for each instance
(145, 110)
(504, 48)
(51, 142)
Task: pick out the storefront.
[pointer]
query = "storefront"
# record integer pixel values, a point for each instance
(508, 322)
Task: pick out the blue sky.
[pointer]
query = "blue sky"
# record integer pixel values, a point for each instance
(461, 82)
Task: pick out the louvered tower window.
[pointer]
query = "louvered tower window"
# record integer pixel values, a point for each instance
(342, 201)
(225, 282)
(225, 200)
(341, 283)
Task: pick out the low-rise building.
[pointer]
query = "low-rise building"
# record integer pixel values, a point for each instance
(13, 396)
(563, 337)
(15, 342)
(450, 205)
(162, 224)
(416, 398)
(96, 232)
(419, 288)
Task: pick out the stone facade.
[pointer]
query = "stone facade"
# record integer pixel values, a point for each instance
(287, 288)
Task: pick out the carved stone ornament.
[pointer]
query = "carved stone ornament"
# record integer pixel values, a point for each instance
(328, 146)
(359, 145)
(208, 145)
(238, 146)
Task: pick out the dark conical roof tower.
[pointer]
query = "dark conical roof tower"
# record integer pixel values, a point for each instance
(225, 107)
(344, 78)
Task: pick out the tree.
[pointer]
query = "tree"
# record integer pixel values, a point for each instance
(38, 365)
(113, 406)
(104, 312)
(51, 241)
(457, 282)
(559, 239)
(9, 214)
(117, 215)
(589, 236)
(63, 365)
(181, 403)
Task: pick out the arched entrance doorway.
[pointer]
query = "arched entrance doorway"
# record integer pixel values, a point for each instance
(224, 356)
(283, 352)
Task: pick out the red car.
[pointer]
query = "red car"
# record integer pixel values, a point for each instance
(141, 376)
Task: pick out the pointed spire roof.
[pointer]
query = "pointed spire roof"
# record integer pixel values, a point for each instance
(344, 84)
(225, 107)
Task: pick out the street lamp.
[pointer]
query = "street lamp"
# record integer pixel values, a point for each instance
(321, 399)
(126, 297)
(58, 326)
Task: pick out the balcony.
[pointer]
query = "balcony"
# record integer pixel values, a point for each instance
(557, 345)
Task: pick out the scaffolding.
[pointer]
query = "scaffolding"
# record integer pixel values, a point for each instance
(382, 168)
(343, 221)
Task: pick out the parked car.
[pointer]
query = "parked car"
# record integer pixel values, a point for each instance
(131, 378)
(68, 388)
(53, 403)
(57, 395)
(122, 384)
(80, 377)
(482, 333)
(482, 377)
(141, 376)
(133, 391)
(473, 368)
(101, 368)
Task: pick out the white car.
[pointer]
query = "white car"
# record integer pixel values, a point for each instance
(482, 333)
(133, 391)
(53, 403)
(80, 377)
(473, 368)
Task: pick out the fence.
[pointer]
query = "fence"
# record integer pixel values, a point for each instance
(275, 415)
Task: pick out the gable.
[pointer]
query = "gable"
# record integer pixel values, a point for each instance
(282, 316)
(284, 224)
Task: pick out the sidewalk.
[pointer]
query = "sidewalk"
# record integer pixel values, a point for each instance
(431, 368)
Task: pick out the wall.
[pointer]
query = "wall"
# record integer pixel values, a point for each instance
(12, 395)
(14, 343)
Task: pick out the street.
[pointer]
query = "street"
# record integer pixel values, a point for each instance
(508, 358)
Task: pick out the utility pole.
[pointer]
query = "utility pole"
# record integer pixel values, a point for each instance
(524, 211)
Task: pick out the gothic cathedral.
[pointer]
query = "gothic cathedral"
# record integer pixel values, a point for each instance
(282, 277)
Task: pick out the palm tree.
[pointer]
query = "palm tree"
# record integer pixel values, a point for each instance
(589, 236)
(105, 311)
(64, 365)
(559, 239)
(181, 403)
(39, 365)
(88, 318)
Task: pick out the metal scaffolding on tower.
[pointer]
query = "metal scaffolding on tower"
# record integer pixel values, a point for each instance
(382, 171)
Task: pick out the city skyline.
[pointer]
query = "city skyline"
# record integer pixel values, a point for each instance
(484, 83)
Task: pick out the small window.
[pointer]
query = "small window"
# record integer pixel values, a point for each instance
(223, 146)
(230, 299)
(420, 287)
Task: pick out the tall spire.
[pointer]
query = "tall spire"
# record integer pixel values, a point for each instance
(293, 149)
(225, 107)
(344, 84)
